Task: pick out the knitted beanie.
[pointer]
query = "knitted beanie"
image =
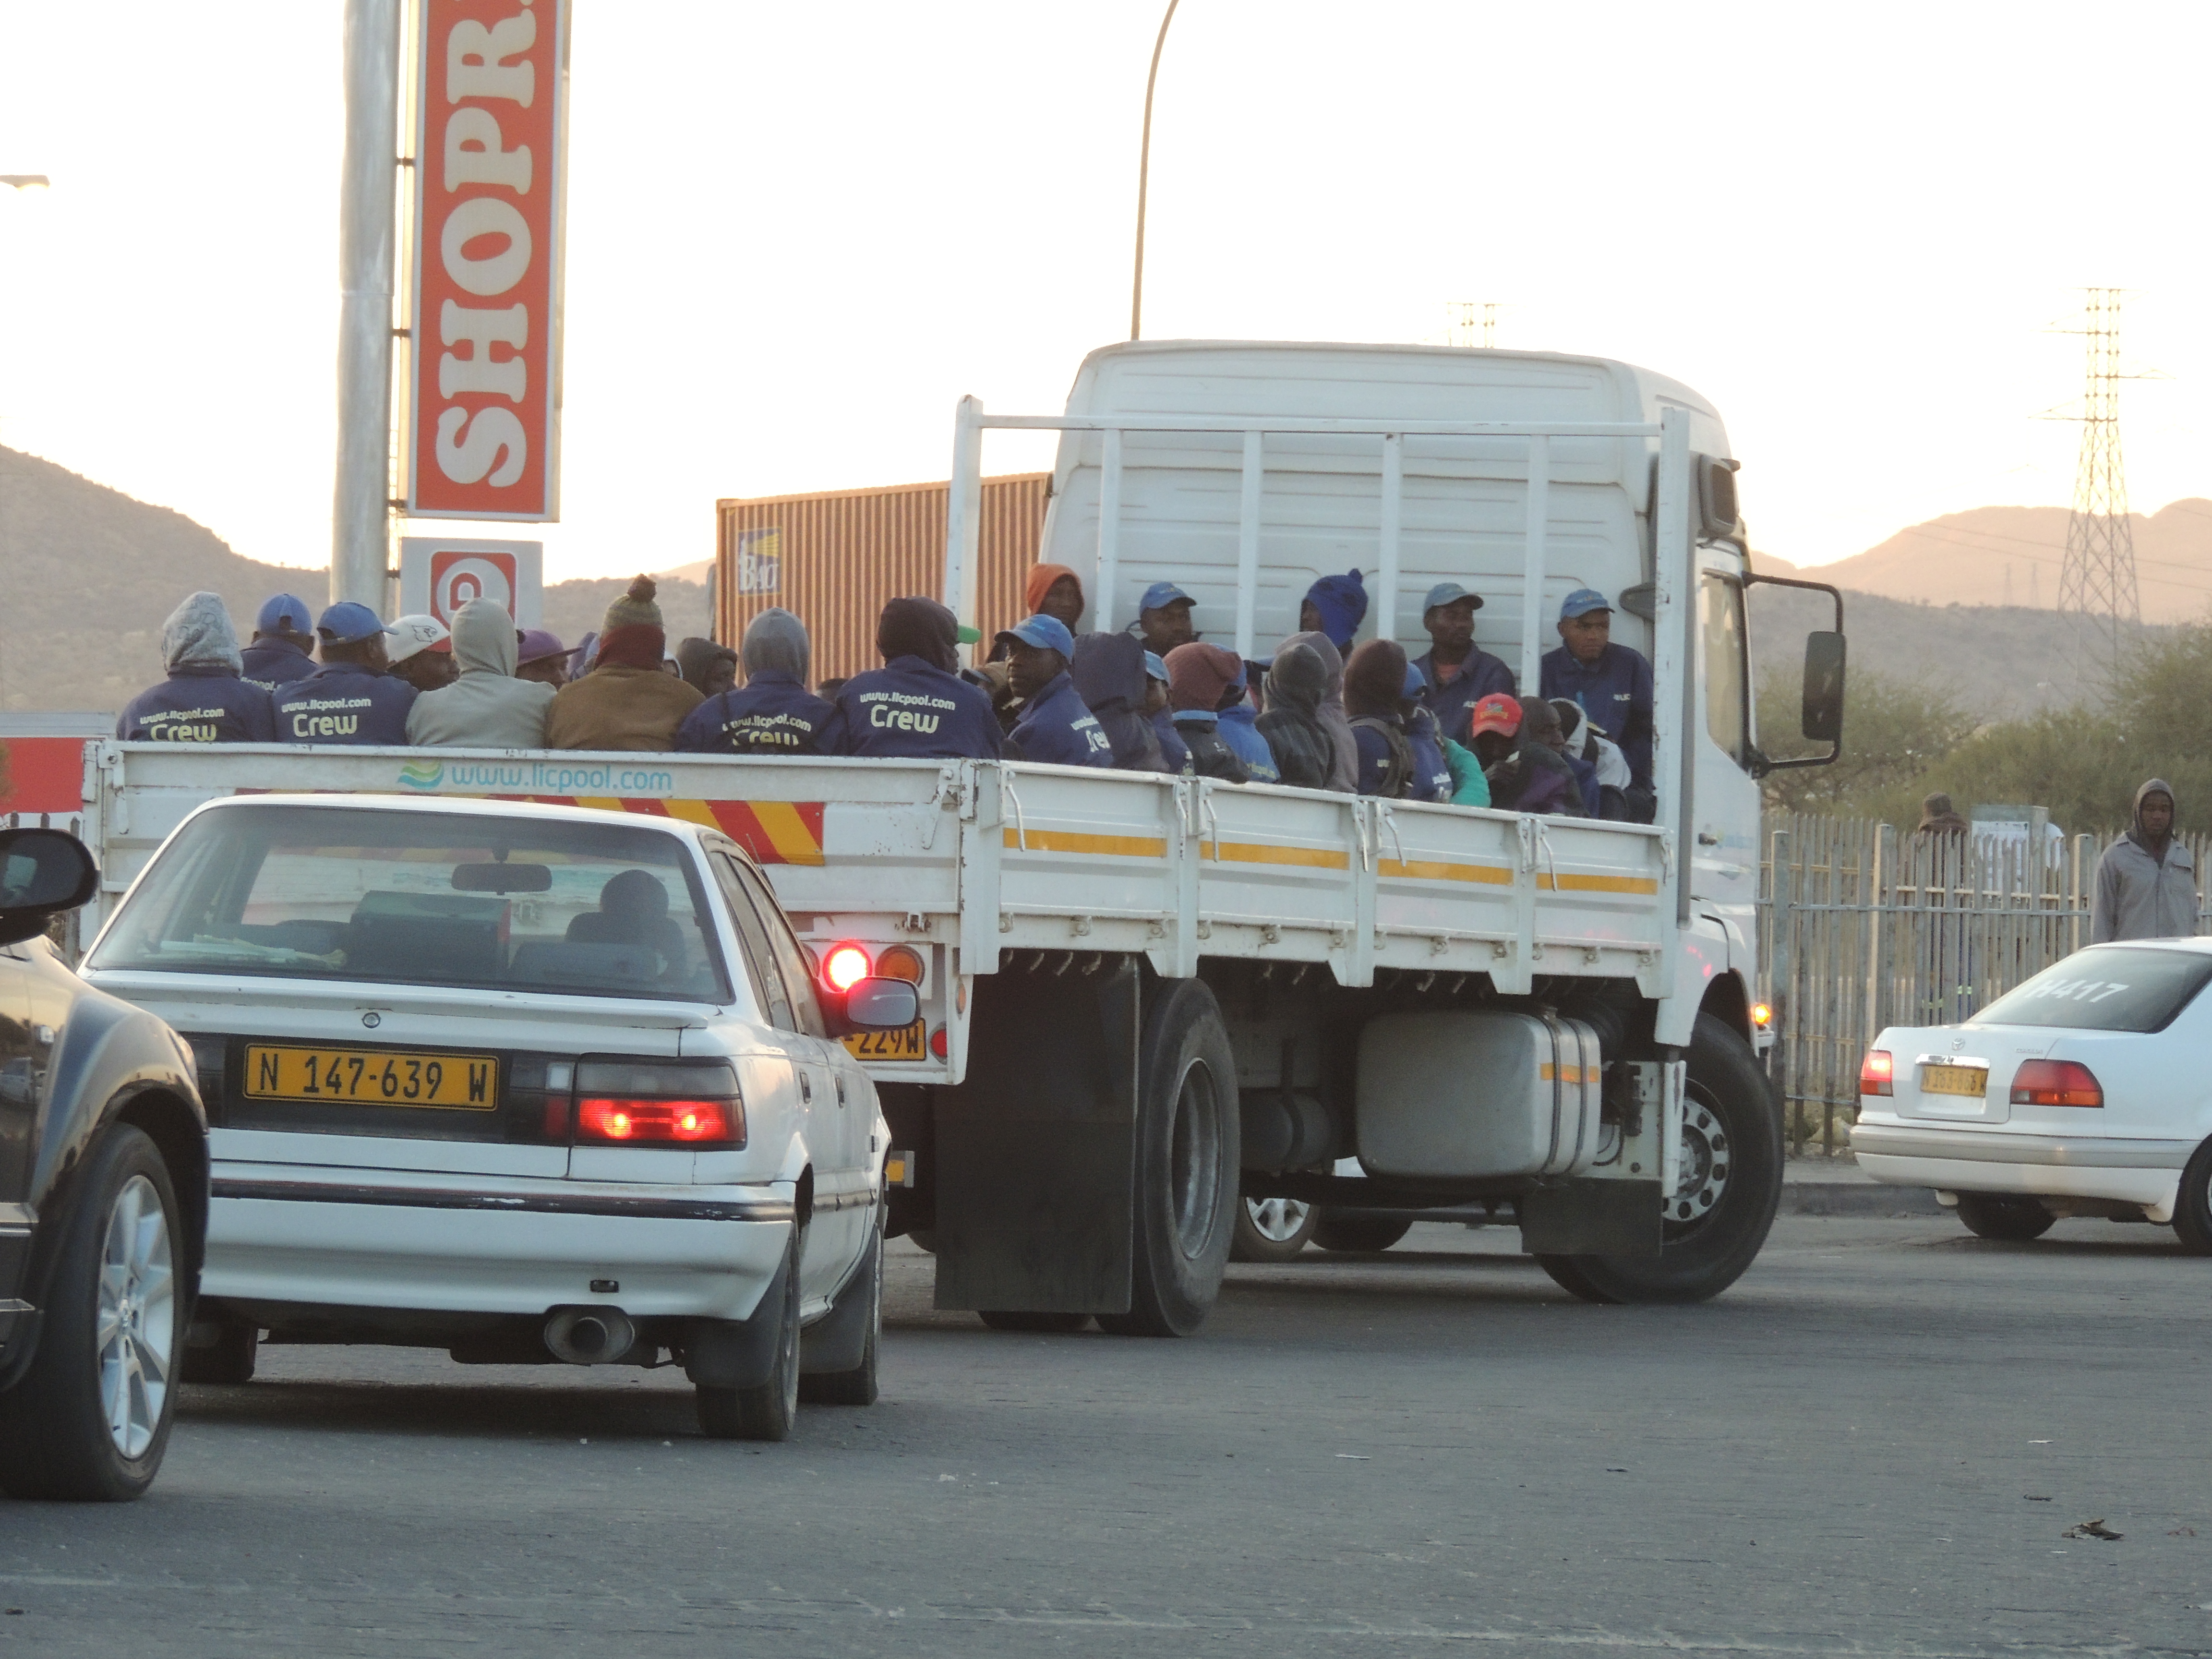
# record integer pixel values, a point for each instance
(635, 608)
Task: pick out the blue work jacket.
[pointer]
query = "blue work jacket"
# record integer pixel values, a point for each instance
(911, 708)
(1615, 692)
(344, 703)
(771, 713)
(198, 705)
(1058, 726)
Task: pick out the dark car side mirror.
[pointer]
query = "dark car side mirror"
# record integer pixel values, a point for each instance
(882, 1004)
(43, 873)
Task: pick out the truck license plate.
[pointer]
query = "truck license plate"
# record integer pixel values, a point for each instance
(377, 1077)
(1972, 1080)
(907, 1042)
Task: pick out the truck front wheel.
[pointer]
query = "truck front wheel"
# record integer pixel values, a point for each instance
(1730, 1186)
(1188, 1160)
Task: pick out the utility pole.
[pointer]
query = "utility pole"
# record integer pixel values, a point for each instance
(2097, 580)
(360, 547)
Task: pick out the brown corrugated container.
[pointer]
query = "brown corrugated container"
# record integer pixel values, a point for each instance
(834, 559)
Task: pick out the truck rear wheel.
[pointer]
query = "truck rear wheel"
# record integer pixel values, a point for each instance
(1731, 1185)
(1187, 1157)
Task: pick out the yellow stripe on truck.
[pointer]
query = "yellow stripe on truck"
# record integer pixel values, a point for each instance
(1261, 851)
(787, 831)
(1493, 875)
(1070, 841)
(1574, 1074)
(1574, 884)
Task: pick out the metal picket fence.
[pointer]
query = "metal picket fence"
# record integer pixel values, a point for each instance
(1863, 925)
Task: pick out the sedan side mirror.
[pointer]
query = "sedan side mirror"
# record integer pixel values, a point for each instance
(43, 873)
(882, 1004)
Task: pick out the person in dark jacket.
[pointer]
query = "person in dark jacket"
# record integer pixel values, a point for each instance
(1200, 678)
(419, 649)
(707, 668)
(1456, 672)
(1109, 672)
(1344, 767)
(1305, 749)
(283, 644)
(540, 656)
(1374, 689)
(775, 713)
(916, 704)
(1334, 606)
(204, 699)
(628, 701)
(1526, 774)
(1160, 711)
(1163, 618)
(351, 699)
(1432, 773)
(1056, 725)
(1610, 684)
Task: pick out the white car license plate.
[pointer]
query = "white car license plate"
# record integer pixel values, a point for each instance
(1972, 1081)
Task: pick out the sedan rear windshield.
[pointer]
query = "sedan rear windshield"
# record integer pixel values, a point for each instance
(424, 898)
(2126, 988)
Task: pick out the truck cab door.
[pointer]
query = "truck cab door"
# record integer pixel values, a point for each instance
(1724, 853)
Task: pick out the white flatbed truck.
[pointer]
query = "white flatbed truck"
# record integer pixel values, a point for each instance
(1145, 998)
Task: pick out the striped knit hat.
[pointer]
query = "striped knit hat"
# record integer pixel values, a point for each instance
(635, 608)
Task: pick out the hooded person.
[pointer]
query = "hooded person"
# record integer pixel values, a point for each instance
(1200, 678)
(204, 700)
(1303, 748)
(1056, 591)
(1056, 727)
(2147, 880)
(628, 701)
(1525, 773)
(1334, 606)
(1433, 778)
(1938, 817)
(916, 704)
(1599, 765)
(1160, 711)
(1374, 695)
(708, 667)
(283, 644)
(1344, 773)
(486, 706)
(1109, 672)
(773, 713)
(351, 699)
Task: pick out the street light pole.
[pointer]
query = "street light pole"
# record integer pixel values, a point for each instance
(1144, 178)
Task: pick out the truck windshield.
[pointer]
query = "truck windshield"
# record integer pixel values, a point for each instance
(424, 898)
(2125, 989)
(1727, 715)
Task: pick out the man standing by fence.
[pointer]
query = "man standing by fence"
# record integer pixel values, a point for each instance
(2147, 880)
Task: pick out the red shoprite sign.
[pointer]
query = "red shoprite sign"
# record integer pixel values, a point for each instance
(489, 168)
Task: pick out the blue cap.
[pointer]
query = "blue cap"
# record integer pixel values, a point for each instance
(1046, 633)
(347, 623)
(1154, 666)
(283, 613)
(1581, 602)
(1416, 687)
(1160, 595)
(1448, 593)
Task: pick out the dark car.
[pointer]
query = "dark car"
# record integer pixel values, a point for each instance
(103, 1202)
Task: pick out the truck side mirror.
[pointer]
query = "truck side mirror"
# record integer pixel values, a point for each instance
(1716, 502)
(1824, 688)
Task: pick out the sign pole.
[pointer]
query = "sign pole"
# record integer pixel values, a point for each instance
(361, 508)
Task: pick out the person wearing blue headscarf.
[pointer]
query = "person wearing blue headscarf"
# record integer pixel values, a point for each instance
(1334, 606)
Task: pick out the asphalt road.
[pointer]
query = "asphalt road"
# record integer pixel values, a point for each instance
(1874, 1444)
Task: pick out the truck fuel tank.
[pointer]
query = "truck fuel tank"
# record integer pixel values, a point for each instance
(1458, 1095)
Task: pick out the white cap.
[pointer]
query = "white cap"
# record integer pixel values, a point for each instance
(412, 635)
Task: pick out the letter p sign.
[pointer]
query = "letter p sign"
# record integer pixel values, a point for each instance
(440, 576)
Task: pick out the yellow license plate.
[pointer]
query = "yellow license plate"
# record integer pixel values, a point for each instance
(1972, 1080)
(907, 1042)
(375, 1076)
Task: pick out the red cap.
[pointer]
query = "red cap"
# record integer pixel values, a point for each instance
(1494, 713)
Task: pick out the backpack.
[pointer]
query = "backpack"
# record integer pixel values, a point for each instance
(1398, 765)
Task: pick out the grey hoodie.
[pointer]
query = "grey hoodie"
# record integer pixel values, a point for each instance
(198, 635)
(2139, 894)
(1344, 762)
(775, 642)
(487, 708)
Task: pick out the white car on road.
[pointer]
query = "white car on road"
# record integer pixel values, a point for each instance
(2085, 1091)
(530, 1084)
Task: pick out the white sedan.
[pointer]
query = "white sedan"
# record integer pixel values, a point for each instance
(530, 1084)
(2084, 1092)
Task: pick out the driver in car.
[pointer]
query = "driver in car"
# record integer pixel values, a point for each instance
(633, 910)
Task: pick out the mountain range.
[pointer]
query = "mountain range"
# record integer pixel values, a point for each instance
(1965, 602)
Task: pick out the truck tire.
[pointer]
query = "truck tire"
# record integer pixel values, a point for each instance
(1272, 1229)
(1360, 1235)
(1731, 1186)
(88, 1421)
(1187, 1160)
(2011, 1216)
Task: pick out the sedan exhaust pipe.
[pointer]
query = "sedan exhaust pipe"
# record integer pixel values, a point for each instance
(590, 1336)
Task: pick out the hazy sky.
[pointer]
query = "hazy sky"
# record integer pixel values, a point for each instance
(797, 233)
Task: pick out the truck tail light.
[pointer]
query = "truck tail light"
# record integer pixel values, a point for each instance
(1877, 1073)
(900, 962)
(846, 966)
(2055, 1083)
(665, 1122)
(938, 1044)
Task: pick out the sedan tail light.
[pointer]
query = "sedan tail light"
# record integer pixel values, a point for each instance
(2055, 1083)
(683, 1122)
(1877, 1073)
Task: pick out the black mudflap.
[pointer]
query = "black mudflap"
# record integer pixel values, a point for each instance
(1592, 1217)
(1037, 1161)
